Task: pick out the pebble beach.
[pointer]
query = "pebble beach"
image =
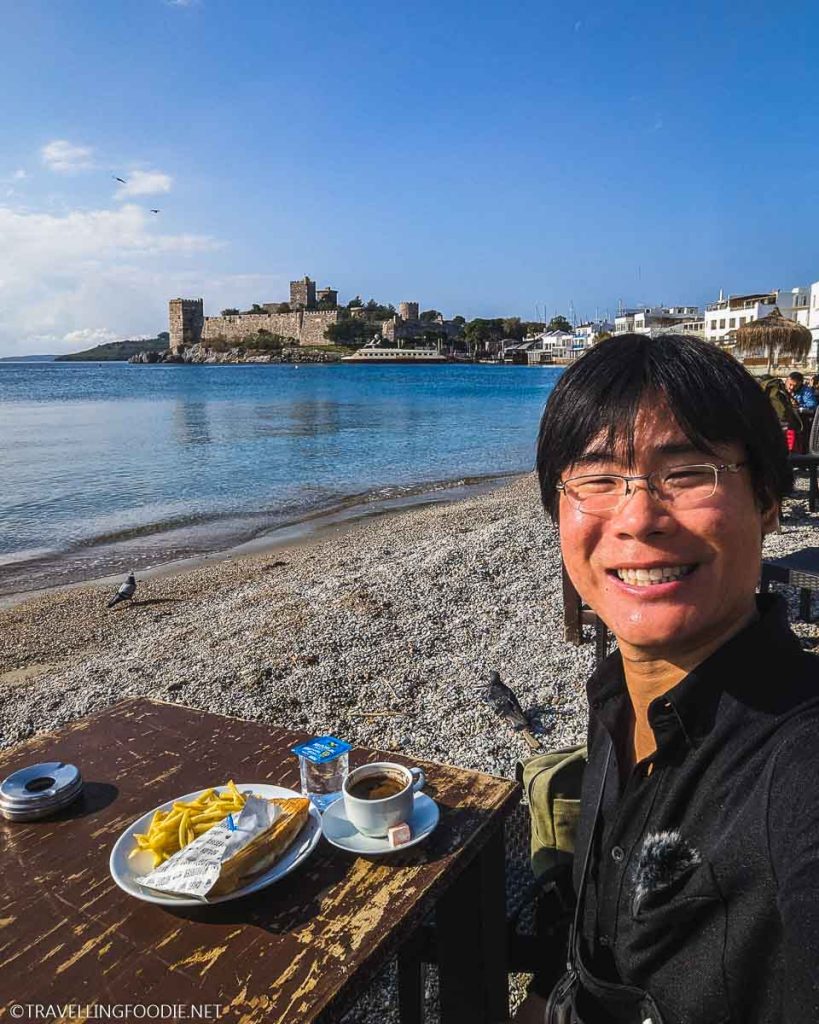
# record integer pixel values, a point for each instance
(383, 634)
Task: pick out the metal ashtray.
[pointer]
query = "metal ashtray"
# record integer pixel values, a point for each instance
(39, 790)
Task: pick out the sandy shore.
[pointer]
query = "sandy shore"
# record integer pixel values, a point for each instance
(383, 634)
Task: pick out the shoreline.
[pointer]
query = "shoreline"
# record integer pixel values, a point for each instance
(312, 525)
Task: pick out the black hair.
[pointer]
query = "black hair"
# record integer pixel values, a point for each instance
(797, 376)
(712, 397)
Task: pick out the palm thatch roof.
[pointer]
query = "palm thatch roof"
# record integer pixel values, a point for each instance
(774, 333)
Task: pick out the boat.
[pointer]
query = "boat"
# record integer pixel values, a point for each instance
(376, 352)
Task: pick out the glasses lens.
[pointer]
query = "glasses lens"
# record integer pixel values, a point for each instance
(595, 493)
(686, 486)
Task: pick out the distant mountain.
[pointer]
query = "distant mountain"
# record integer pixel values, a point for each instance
(117, 351)
(27, 359)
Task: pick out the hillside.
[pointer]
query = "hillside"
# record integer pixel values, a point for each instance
(117, 351)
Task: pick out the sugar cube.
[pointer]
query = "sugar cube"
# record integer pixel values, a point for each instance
(399, 834)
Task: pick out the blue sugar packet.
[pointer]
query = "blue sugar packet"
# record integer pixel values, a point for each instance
(322, 749)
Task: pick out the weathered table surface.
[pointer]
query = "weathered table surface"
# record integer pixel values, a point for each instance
(301, 950)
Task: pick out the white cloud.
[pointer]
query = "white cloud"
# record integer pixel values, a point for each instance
(19, 174)
(181, 3)
(87, 337)
(65, 157)
(109, 271)
(144, 183)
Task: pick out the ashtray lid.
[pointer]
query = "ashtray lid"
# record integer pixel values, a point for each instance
(39, 789)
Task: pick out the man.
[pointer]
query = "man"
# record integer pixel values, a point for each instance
(663, 465)
(803, 396)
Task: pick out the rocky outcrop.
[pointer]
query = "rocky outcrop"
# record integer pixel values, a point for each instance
(202, 354)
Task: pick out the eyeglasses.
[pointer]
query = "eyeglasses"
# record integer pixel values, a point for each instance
(681, 486)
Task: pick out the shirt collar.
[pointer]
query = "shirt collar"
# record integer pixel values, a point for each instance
(689, 708)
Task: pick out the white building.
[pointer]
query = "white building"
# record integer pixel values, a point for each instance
(813, 322)
(653, 320)
(727, 315)
(585, 335)
(545, 347)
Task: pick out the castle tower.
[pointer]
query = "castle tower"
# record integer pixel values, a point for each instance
(303, 294)
(408, 310)
(186, 319)
(328, 295)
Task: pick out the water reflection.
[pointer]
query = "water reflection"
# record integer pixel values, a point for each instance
(191, 422)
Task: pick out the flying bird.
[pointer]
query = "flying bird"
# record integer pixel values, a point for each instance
(154, 211)
(125, 592)
(124, 182)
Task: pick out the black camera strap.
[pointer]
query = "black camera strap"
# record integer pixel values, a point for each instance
(581, 891)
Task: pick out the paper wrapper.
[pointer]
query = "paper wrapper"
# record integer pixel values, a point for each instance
(196, 868)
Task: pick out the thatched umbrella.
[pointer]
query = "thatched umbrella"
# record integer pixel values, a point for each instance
(776, 334)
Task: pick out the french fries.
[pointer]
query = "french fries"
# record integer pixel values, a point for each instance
(172, 830)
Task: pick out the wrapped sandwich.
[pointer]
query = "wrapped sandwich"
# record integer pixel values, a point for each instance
(233, 852)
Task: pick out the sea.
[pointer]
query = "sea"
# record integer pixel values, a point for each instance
(108, 467)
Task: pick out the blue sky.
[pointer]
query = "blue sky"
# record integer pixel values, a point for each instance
(483, 158)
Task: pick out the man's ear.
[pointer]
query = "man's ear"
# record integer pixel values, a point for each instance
(770, 519)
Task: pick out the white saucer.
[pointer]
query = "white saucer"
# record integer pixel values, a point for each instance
(339, 831)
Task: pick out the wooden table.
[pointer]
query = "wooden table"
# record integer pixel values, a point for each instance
(302, 950)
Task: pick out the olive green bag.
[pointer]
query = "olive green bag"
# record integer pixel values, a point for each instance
(552, 783)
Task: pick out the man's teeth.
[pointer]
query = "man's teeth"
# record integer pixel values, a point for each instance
(648, 577)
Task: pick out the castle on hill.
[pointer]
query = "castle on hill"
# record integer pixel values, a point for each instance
(304, 320)
(309, 314)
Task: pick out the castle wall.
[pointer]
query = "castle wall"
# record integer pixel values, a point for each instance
(305, 328)
(314, 324)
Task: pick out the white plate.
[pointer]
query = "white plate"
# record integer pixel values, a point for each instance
(125, 872)
(339, 830)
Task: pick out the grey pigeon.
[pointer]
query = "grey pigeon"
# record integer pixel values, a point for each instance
(502, 698)
(125, 592)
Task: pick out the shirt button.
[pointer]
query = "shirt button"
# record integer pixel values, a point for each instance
(617, 853)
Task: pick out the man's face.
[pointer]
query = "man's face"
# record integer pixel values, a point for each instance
(718, 543)
(791, 385)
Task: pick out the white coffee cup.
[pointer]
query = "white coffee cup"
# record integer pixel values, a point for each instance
(374, 817)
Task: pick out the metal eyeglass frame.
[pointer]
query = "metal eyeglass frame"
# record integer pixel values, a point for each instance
(727, 467)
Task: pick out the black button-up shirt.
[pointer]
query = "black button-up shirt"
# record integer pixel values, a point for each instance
(703, 888)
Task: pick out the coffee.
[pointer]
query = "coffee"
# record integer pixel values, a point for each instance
(378, 786)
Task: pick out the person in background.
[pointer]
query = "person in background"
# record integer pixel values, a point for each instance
(804, 398)
(662, 466)
(802, 394)
(814, 382)
(785, 408)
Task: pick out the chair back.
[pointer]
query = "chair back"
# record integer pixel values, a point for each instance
(813, 441)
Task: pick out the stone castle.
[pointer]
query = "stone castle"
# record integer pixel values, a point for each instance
(305, 324)
(311, 312)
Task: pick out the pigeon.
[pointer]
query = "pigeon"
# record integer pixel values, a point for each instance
(504, 701)
(124, 182)
(125, 592)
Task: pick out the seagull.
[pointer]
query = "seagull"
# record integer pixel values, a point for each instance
(124, 182)
(125, 592)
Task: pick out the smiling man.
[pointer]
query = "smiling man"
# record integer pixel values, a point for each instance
(663, 465)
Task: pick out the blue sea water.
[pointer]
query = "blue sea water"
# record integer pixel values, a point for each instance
(108, 466)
